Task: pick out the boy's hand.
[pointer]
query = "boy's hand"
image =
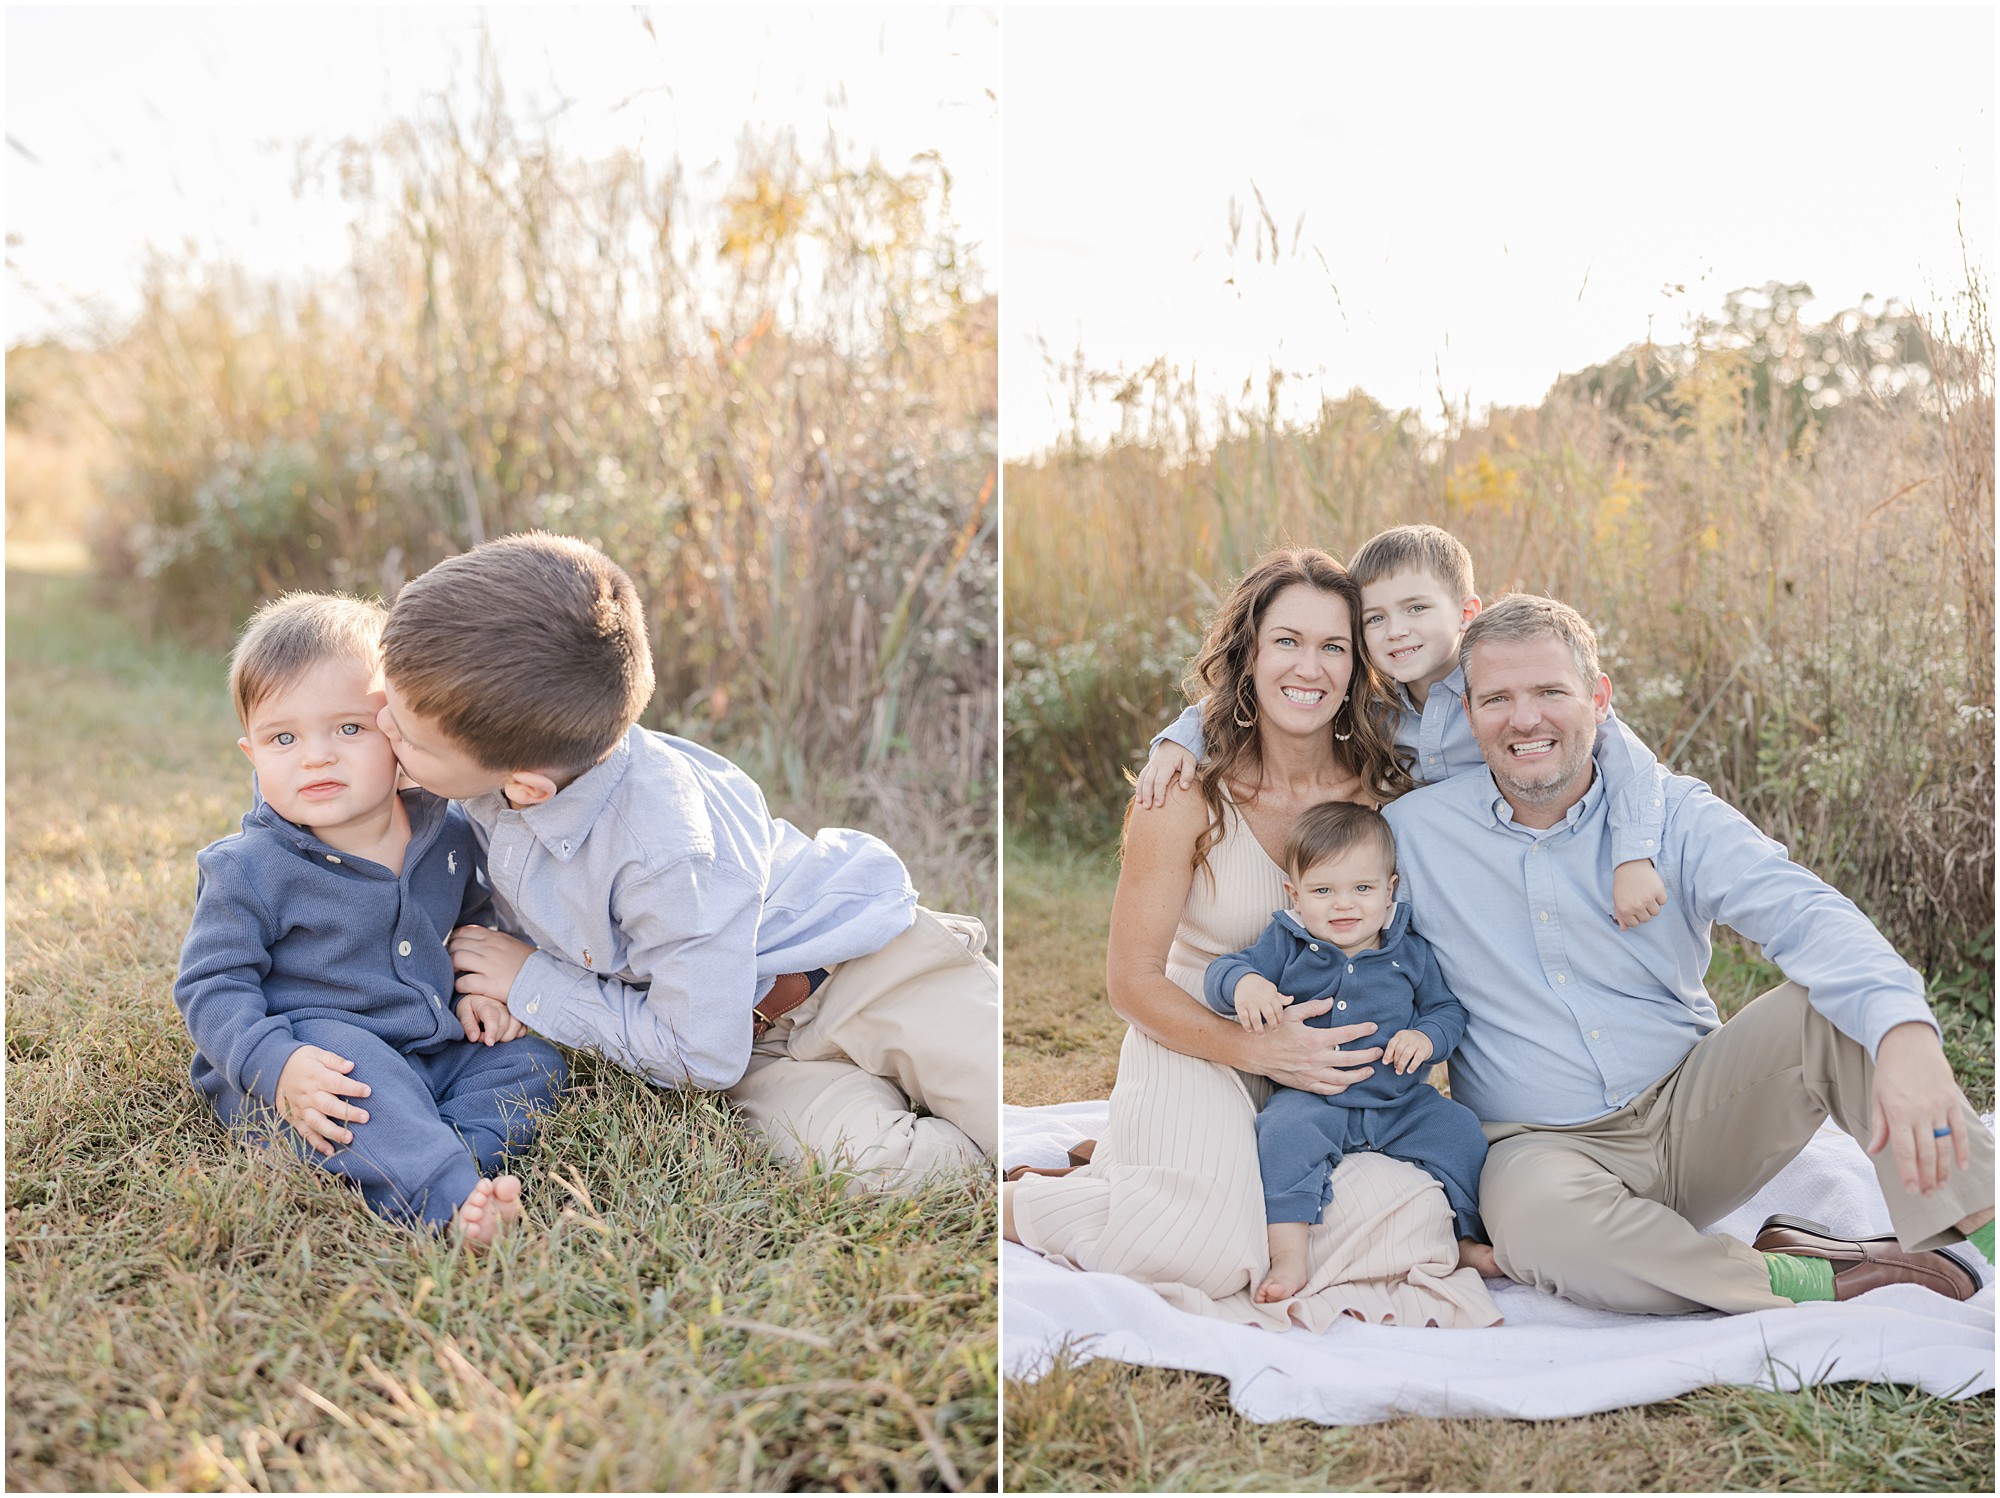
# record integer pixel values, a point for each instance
(1258, 1003)
(1406, 1051)
(1637, 893)
(488, 1020)
(312, 1093)
(1169, 761)
(487, 961)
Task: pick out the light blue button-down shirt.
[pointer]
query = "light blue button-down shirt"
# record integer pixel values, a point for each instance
(1439, 738)
(1569, 1018)
(664, 898)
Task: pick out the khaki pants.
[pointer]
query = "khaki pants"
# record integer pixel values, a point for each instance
(915, 1023)
(1606, 1213)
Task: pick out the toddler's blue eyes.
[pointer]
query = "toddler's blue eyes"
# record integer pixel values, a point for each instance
(350, 729)
(282, 740)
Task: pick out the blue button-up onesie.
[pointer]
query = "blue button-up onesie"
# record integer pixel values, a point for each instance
(1302, 1136)
(294, 943)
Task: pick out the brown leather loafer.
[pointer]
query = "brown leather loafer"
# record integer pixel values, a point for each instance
(1863, 1264)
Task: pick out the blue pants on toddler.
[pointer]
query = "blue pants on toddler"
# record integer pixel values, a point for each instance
(1302, 1136)
(436, 1122)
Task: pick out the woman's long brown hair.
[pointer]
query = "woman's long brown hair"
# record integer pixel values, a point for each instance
(1220, 677)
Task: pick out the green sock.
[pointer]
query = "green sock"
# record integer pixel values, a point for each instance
(1798, 1278)
(1983, 1241)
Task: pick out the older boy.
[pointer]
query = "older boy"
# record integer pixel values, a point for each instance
(1416, 601)
(315, 971)
(676, 926)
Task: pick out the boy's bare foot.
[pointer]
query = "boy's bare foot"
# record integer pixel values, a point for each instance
(1473, 1254)
(492, 1211)
(1288, 1263)
(1277, 1287)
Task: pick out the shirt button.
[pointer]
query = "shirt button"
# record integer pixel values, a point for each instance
(402, 949)
(1314, 945)
(1647, 844)
(1350, 967)
(330, 858)
(1656, 801)
(534, 1006)
(1545, 915)
(434, 1000)
(1593, 1035)
(1340, 1003)
(1562, 977)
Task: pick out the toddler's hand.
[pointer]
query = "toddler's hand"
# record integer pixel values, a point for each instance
(488, 1020)
(312, 1091)
(487, 961)
(1169, 761)
(1258, 1003)
(1407, 1050)
(1637, 893)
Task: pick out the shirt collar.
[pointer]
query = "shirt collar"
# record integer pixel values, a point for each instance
(1500, 813)
(561, 823)
(424, 810)
(1453, 686)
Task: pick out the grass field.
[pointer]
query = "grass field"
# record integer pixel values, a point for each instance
(182, 1315)
(1107, 1426)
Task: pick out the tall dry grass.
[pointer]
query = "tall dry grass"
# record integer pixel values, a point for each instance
(1782, 530)
(772, 401)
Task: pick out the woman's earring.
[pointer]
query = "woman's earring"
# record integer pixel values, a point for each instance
(1241, 721)
(1345, 703)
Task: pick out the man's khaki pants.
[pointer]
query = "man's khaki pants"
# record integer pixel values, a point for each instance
(917, 1023)
(1606, 1213)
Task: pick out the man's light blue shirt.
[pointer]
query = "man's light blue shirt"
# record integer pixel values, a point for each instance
(664, 898)
(1569, 1018)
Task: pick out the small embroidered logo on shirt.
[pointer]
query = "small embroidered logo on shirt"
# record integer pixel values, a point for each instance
(451, 863)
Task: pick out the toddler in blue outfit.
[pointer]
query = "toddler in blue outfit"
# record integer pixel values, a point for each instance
(1346, 936)
(315, 972)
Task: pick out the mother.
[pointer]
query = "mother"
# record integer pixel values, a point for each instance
(1294, 715)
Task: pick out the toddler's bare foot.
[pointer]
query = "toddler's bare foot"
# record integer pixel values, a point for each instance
(492, 1211)
(1288, 1242)
(1278, 1287)
(1475, 1255)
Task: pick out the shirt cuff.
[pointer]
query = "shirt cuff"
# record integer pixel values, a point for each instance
(538, 992)
(262, 1066)
(1884, 1017)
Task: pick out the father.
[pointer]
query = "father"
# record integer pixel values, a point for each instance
(1622, 1113)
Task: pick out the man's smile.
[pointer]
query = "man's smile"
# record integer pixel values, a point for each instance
(1529, 748)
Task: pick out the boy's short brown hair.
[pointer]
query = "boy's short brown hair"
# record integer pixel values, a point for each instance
(291, 634)
(1330, 829)
(530, 652)
(1405, 548)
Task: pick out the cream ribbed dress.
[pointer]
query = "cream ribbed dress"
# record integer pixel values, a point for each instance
(1172, 1197)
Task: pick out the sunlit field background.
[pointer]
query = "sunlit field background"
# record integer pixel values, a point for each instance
(1782, 530)
(770, 396)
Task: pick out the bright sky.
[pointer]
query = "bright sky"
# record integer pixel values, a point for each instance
(1500, 195)
(163, 125)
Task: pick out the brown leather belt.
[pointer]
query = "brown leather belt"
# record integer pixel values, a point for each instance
(788, 991)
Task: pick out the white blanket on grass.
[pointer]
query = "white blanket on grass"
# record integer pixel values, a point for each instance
(1551, 1358)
